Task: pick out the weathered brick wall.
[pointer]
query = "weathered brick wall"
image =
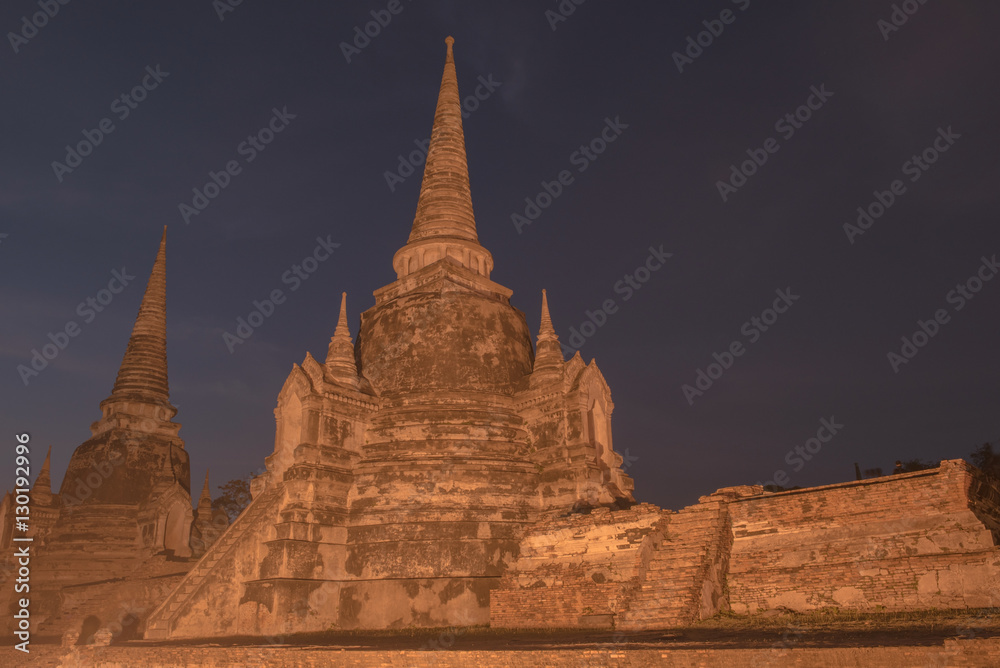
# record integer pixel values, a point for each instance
(904, 542)
(575, 570)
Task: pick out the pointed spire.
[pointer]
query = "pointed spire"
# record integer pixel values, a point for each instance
(445, 205)
(444, 227)
(41, 491)
(44, 479)
(143, 373)
(343, 329)
(340, 354)
(44, 476)
(549, 353)
(206, 494)
(203, 513)
(545, 331)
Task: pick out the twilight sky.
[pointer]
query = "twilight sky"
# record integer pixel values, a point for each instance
(644, 128)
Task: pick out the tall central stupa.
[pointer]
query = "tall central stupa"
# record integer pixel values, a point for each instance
(407, 468)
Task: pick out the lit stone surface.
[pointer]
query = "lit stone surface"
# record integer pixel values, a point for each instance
(919, 540)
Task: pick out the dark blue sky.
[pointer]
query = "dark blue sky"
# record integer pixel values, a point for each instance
(880, 102)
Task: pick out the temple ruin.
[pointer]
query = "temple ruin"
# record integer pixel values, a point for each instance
(441, 471)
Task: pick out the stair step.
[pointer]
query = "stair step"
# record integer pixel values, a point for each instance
(197, 576)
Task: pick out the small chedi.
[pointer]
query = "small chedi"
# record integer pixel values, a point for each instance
(441, 471)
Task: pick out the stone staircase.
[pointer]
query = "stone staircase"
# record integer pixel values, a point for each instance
(160, 622)
(685, 575)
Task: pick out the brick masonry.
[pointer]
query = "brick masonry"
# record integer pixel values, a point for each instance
(577, 570)
(913, 541)
(920, 540)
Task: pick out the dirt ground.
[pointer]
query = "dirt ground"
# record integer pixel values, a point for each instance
(830, 628)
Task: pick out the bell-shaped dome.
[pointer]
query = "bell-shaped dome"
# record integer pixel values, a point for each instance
(442, 336)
